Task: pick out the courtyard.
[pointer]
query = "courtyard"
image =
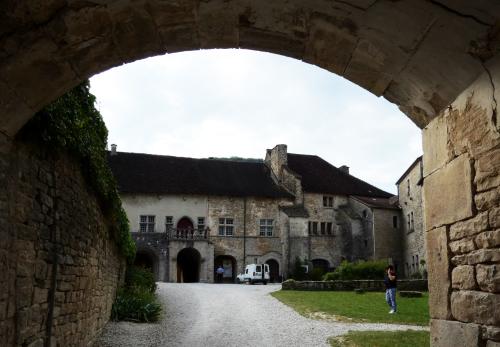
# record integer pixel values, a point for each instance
(197, 314)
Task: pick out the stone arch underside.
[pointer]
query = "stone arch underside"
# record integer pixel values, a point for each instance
(418, 54)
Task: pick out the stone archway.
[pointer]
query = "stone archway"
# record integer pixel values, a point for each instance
(229, 265)
(188, 265)
(437, 60)
(274, 270)
(148, 260)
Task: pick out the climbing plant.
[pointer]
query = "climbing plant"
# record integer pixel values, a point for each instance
(73, 124)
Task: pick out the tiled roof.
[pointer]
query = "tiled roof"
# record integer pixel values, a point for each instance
(319, 176)
(158, 174)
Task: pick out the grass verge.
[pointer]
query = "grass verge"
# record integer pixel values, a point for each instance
(348, 306)
(382, 339)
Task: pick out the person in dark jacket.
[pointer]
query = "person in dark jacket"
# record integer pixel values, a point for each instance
(390, 288)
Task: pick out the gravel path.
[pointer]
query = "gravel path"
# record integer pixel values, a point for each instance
(197, 314)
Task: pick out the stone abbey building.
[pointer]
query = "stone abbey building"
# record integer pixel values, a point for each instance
(188, 216)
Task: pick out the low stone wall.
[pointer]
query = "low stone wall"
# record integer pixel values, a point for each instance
(60, 268)
(368, 285)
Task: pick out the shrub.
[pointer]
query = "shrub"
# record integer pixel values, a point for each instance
(362, 270)
(316, 274)
(138, 277)
(136, 301)
(299, 271)
(136, 305)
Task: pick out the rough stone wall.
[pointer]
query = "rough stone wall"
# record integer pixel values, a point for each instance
(155, 246)
(359, 218)
(413, 237)
(368, 285)
(246, 245)
(462, 216)
(387, 238)
(60, 269)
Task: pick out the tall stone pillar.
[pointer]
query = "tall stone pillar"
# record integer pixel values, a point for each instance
(462, 216)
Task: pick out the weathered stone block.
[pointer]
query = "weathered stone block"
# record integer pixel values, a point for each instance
(446, 333)
(491, 333)
(488, 239)
(462, 246)
(487, 200)
(487, 171)
(488, 277)
(476, 307)
(439, 278)
(435, 143)
(447, 194)
(477, 257)
(494, 217)
(462, 277)
(469, 227)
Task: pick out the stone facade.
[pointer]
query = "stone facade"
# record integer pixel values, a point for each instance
(321, 229)
(60, 268)
(461, 199)
(412, 228)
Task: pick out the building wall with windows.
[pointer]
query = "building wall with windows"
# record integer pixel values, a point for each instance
(410, 201)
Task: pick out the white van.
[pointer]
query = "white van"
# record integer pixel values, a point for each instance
(254, 273)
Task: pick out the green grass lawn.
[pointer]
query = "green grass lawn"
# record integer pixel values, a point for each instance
(367, 307)
(382, 339)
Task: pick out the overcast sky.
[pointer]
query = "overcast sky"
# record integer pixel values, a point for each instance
(223, 103)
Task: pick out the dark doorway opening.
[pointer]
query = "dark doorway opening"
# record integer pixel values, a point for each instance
(188, 266)
(274, 270)
(147, 261)
(228, 263)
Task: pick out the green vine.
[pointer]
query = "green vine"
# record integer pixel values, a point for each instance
(73, 124)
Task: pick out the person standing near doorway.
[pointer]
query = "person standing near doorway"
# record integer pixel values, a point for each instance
(390, 282)
(220, 273)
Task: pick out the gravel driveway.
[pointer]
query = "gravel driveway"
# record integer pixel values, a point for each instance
(198, 314)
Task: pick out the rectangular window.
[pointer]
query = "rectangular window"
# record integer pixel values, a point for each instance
(408, 182)
(258, 268)
(323, 228)
(327, 201)
(309, 228)
(409, 225)
(169, 222)
(395, 222)
(315, 228)
(412, 225)
(226, 227)
(147, 223)
(329, 230)
(266, 227)
(201, 223)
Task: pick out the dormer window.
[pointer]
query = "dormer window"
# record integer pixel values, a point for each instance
(327, 201)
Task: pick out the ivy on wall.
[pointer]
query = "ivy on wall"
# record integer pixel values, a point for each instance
(73, 124)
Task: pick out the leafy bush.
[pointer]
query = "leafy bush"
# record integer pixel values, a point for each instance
(362, 270)
(138, 277)
(136, 301)
(299, 271)
(136, 305)
(316, 274)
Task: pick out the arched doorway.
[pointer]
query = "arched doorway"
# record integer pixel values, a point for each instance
(228, 263)
(185, 227)
(145, 259)
(188, 265)
(274, 270)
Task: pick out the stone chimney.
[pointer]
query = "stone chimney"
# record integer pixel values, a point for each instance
(276, 158)
(344, 168)
(113, 149)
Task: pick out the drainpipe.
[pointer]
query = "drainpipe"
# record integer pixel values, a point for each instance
(244, 231)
